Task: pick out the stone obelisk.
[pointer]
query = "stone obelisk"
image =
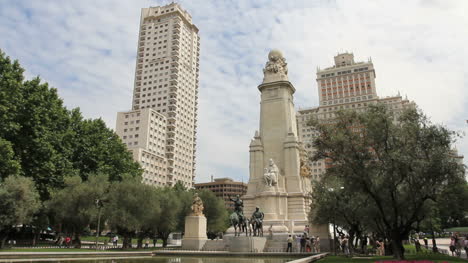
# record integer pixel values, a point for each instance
(276, 184)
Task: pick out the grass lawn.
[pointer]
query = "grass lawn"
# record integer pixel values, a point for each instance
(429, 257)
(458, 229)
(102, 239)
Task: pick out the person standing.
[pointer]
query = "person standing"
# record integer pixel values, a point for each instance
(147, 242)
(426, 243)
(317, 244)
(344, 245)
(465, 245)
(452, 245)
(290, 241)
(303, 243)
(378, 244)
(298, 243)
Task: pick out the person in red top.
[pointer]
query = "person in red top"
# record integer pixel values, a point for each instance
(67, 241)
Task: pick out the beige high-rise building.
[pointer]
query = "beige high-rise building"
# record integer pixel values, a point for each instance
(345, 85)
(164, 106)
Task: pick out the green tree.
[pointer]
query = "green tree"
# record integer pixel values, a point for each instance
(171, 205)
(19, 200)
(74, 207)
(130, 208)
(400, 165)
(11, 79)
(215, 211)
(346, 208)
(8, 164)
(98, 149)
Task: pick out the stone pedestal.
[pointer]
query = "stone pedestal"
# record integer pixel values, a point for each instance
(195, 233)
(247, 244)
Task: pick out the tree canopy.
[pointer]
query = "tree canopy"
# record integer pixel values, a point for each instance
(41, 139)
(398, 163)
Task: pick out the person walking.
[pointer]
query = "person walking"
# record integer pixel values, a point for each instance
(426, 242)
(290, 241)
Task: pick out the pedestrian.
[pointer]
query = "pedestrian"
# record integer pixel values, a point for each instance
(298, 243)
(417, 245)
(465, 244)
(312, 244)
(146, 242)
(155, 240)
(308, 245)
(344, 245)
(378, 244)
(290, 241)
(452, 245)
(303, 244)
(270, 232)
(317, 244)
(116, 241)
(67, 241)
(60, 241)
(364, 245)
(426, 243)
(458, 246)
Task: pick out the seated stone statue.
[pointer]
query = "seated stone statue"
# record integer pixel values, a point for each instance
(197, 206)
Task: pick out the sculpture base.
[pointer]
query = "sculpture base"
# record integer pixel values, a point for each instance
(195, 233)
(247, 244)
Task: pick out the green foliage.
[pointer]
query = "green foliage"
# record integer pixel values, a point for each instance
(131, 207)
(19, 201)
(400, 163)
(41, 139)
(74, 206)
(215, 211)
(8, 165)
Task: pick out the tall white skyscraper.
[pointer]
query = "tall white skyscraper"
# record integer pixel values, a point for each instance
(160, 130)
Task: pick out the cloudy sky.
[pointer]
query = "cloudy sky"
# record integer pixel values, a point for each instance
(87, 49)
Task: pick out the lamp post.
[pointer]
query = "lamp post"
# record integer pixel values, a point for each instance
(99, 204)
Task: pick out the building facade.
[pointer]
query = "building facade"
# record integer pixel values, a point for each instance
(224, 188)
(164, 97)
(345, 85)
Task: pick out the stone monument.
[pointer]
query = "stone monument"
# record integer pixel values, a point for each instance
(279, 182)
(195, 226)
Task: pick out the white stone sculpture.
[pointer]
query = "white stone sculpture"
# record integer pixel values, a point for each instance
(276, 69)
(271, 174)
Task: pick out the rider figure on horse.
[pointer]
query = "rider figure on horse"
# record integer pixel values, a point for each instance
(257, 222)
(238, 207)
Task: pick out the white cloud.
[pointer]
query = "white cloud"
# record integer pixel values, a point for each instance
(87, 50)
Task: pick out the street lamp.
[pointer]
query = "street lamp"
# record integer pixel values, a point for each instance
(99, 205)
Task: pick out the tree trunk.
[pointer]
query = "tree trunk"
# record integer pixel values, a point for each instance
(77, 241)
(397, 246)
(140, 241)
(2, 241)
(164, 237)
(434, 245)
